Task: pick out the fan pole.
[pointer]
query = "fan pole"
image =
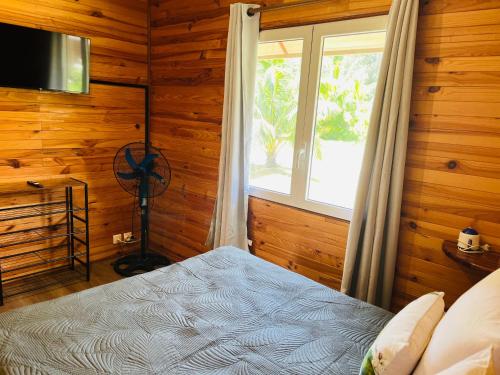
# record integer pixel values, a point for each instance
(143, 203)
(144, 226)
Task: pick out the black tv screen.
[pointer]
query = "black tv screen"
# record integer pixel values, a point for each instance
(38, 59)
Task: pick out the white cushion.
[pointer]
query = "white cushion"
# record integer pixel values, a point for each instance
(480, 363)
(472, 324)
(400, 344)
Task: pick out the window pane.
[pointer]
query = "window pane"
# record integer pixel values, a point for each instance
(275, 115)
(349, 71)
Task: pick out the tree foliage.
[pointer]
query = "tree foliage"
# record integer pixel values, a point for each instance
(345, 96)
(276, 104)
(346, 93)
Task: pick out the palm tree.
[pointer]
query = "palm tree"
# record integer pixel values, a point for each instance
(276, 105)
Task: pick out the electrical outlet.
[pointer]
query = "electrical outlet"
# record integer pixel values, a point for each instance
(127, 236)
(117, 238)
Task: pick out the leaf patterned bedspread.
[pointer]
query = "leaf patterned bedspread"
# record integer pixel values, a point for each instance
(223, 312)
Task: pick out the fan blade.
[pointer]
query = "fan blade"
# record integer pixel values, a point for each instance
(127, 176)
(147, 160)
(158, 177)
(130, 159)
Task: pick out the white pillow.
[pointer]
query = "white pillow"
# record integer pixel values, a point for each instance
(480, 363)
(400, 344)
(470, 325)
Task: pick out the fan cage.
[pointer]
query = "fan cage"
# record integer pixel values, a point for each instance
(161, 167)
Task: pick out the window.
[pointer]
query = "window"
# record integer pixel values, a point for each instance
(314, 92)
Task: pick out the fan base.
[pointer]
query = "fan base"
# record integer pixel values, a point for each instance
(136, 264)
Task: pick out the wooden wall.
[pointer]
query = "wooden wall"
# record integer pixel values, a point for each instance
(117, 28)
(305, 242)
(47, 135)
(455, 117)
(188, 57)
(50, 135)
(453, 163)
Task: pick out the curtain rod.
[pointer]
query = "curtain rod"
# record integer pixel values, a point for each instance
(253, 11)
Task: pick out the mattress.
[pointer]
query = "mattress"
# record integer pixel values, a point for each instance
(223, 312)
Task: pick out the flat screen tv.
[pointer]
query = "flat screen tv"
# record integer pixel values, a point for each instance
(43, 60)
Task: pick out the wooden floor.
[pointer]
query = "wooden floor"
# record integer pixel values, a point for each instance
(58, 285)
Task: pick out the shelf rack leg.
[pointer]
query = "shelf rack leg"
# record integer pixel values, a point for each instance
(87, 237)
(68, 223)
(72, 227)
(1, 287)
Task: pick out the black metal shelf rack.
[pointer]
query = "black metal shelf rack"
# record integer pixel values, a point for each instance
(49, 233)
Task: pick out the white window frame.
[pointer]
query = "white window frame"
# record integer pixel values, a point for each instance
(313, 37)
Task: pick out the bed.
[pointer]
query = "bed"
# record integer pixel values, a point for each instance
(223, 312)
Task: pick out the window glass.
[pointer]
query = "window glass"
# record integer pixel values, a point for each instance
(275, 115)
(315, 87)
(348, 77)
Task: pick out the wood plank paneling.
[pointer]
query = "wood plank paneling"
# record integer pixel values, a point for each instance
(453, 164)
(47, 135)
(117, 29)
(67, 135)
(301, 241)
(454, 118)
(188, 57)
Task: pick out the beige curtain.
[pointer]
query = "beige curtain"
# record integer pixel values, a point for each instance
(372, 244)
(229, 221)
